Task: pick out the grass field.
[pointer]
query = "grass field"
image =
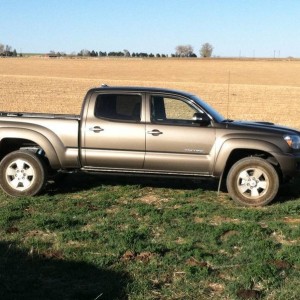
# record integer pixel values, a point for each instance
(95, 237)
(92, 237)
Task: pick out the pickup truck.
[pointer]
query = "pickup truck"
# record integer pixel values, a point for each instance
(148, 131)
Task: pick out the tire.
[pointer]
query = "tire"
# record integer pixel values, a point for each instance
(22, 173)
(252, 181)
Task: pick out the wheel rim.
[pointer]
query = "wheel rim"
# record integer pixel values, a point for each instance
(253, 183)
(20, 175)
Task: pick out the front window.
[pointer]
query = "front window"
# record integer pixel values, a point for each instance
(171, 111)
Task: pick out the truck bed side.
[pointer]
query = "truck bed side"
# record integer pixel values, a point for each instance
(56, 135)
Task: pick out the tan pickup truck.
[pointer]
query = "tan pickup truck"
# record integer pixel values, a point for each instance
(148, 131)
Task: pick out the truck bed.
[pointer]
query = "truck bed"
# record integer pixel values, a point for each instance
(39, 115)
(60, 130)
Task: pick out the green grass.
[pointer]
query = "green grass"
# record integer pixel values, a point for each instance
(101, 238)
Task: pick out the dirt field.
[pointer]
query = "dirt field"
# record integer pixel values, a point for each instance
(240, 89)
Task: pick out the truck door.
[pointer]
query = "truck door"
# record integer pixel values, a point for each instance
(175, 143)
(113, 133)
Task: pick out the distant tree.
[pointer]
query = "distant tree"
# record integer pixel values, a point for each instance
(84, 52)
(164, 55)
(143, 54)
(113, 53)
(151, 55)
(52, 53)
(126, 53)
(94, 53)
(206, 50)
(157, 55)
(6, 50)
(133, 54)
(184, 50)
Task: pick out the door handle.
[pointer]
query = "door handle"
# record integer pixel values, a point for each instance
(96, 129)
(154, 132)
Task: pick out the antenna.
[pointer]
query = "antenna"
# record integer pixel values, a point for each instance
(228, 94)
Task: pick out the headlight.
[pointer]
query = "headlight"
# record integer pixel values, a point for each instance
(293, 141)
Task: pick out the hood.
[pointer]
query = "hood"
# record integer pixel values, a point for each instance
(261, 126)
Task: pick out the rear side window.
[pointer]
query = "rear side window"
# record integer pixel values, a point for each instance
(119, 107)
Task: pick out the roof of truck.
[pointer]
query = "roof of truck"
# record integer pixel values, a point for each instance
(141, 89)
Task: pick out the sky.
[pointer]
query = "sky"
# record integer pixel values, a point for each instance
(235, 28)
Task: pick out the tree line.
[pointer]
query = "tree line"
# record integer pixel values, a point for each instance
(124, 53)
(180, 51)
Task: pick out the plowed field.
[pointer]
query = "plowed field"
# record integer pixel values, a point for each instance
(240, 89)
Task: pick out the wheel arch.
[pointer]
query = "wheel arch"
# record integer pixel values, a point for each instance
(10, 140)
(238, 154)
(236, 149)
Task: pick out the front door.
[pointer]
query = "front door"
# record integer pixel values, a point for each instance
(174, 142)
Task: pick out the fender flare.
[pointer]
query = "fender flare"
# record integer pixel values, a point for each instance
(241, 144)
(51, 145)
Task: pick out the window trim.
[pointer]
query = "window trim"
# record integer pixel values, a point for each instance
(140, 95)
(188, 101)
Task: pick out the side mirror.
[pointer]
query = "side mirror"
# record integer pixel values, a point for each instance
(201, 118)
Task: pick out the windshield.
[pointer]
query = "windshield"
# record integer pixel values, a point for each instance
(208, 109)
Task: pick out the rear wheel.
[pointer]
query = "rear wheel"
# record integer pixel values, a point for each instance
(252, 181)
(22, 173)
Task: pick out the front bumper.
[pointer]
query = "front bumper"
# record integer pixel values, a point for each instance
(289, 164)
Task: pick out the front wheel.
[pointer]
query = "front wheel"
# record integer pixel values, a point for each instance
(22, 173)
(252, 181)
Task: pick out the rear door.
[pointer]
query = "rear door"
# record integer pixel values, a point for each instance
(114, 131)
(174, 142)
